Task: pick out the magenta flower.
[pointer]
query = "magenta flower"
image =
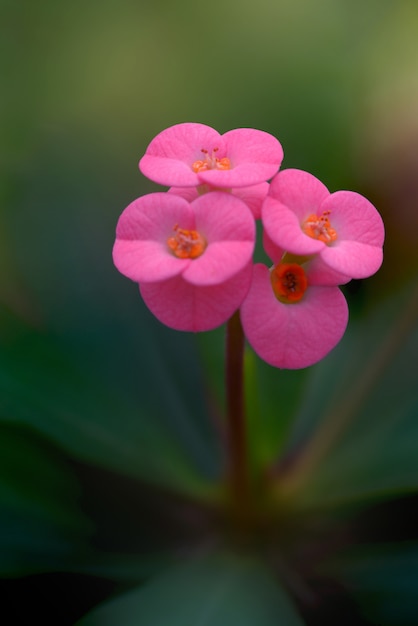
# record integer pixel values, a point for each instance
(189, 155)
(253, 196)
(301, 216)
(288, 322)
(191, 260)
(293, 314)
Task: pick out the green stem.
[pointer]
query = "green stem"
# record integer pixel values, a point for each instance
(236, 428)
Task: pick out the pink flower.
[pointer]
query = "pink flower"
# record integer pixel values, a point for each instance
(301, 216)
(192, 260)
(293, 314)
(253, 196)
(189, 155)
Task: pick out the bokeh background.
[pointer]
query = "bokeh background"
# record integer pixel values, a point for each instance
(95, 395)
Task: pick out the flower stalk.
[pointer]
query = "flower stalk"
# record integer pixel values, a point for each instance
(238, 470)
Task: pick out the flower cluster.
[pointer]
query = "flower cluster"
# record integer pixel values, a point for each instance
(191, 249)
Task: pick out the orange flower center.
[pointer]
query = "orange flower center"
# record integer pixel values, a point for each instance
(211, 162)
(186, 244)
(320, 228)
(289, 282)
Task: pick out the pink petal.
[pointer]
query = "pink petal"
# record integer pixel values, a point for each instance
(299, 191)
(229, 229)
(283, 228)
(253, 196)
(146, 261)
(248, 145)
(274, 252)
(169, 157)
(221, 216)
(140, 251)
(353, 258)
(292, 336)
(241, 175)
(188, 193)
(166, 171)
(354, 218)
(182, 306)
(220, 262)
(322, 275)
(152, 217)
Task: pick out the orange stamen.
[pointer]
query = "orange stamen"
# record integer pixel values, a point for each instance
(186, 244)
(289, 282)
(211, 162)
(320, 228)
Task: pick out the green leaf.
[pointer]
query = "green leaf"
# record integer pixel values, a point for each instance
(40, 520)
(136, 416)
(358, 419)
(219, 589)
(54, 516)
(384, 581)
(59, 516)
(139, 528)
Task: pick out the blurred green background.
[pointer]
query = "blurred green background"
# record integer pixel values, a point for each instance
(87, 85)
(93, 390)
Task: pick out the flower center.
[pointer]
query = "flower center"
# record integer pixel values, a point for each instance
(320, 228)
(211, 162)
(186, 244)
(289, 282)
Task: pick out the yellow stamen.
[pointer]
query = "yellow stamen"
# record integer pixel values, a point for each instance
(186, 244)
(211, 162)
(320, 228)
